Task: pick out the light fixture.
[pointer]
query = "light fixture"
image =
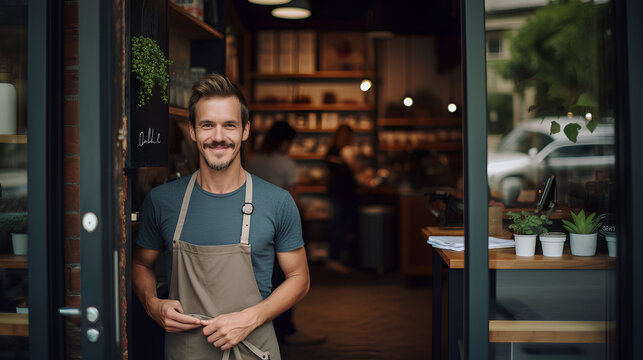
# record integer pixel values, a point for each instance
(269, 2)
(589, 116)
(365, 85)
(452, 107)
(408, 100)
(296, 9)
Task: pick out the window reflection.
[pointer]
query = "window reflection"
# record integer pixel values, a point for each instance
(550, 112)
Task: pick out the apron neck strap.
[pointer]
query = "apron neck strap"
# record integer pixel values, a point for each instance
(247, 208)
(184, 206)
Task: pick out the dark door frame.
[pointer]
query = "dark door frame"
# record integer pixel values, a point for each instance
(98, 254)
(45, 180)
(476, 257)
(629, 77)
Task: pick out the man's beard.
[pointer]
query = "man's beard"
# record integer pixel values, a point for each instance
(219, 166)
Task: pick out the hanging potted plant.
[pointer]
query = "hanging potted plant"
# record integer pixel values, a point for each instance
(526, 226)
(582, 232)
(151, 68)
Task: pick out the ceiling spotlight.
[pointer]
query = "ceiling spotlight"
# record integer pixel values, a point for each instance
(365, 85)
(452, 107)
(269, 2)
(408, 101)
(296, 9)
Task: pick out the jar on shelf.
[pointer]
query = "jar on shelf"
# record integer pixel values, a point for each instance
(8, 101)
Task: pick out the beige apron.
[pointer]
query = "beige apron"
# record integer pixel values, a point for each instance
(212, 280)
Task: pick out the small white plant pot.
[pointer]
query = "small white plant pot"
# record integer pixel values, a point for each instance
(22, 310)
(583, 244)
(525, 245)
(19, 242)
(611, 245)
(553, 243)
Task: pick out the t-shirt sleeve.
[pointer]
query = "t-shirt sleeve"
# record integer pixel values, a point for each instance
(149, 232)
(288, 235)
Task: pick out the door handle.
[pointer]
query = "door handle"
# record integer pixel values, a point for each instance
(91, 312)
(69, 311)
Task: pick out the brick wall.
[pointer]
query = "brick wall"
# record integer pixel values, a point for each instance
(71, 177)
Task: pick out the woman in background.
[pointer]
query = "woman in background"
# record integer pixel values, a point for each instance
(342, 187)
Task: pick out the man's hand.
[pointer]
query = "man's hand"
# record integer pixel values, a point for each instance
(169, 314)
(227, 330)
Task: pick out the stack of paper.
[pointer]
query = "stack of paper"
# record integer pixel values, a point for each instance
(456, 243)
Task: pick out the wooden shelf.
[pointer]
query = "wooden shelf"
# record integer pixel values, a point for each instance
(316, 218)
(10, 261)
(12, 324)
(310, 107)
(180, 114)
(311, 189)
(307, 156)
(420, 122)
(13, 139)
(194, 28)
(314, 131)
(348, 75)
(518, 331)
(440, 146)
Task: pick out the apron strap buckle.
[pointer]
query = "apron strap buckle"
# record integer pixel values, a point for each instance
(247, 208)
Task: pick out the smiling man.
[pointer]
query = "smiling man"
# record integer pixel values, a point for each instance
(220, 267)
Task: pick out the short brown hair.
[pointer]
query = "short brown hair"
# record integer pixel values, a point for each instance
(216, 85)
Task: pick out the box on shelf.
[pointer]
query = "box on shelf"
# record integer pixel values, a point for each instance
(306, 53)
(192, 7)
(266, 52)
(287, 52)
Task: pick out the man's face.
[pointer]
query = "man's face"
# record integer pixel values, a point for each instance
(218, 131)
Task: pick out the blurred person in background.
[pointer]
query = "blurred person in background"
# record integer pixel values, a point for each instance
(272, 165)
(342, 163)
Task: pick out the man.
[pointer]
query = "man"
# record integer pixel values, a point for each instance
(220, 267)
(272, 164)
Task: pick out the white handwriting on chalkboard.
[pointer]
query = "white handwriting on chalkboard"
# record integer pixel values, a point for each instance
(152, 137)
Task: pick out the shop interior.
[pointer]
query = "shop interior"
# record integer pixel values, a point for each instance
(346, 64)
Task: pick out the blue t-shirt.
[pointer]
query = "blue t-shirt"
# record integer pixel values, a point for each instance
(215, 219)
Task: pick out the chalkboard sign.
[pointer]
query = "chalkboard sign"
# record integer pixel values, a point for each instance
(149, 124)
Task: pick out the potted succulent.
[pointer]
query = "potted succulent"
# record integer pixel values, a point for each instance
(526, 226)
(582, 232)
(16, 224)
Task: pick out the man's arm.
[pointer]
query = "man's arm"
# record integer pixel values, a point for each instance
(167, 313)
(227, 330)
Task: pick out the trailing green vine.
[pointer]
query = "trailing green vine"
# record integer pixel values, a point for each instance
(151, 68)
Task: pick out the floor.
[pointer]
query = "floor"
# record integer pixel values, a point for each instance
(365, 316)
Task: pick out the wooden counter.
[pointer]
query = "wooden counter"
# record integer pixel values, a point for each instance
(507, 259)
(12, 324)
(10, 261)
(518, 331)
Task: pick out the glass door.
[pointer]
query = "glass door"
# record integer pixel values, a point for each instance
(551, 176)
(14, 274)
(30, 255)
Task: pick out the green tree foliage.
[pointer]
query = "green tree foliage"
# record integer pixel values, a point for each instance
(560, 51)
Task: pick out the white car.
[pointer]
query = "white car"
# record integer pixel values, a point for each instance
(528, 154)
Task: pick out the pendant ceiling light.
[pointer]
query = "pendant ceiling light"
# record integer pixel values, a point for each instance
(296, 9)
(269, 2)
